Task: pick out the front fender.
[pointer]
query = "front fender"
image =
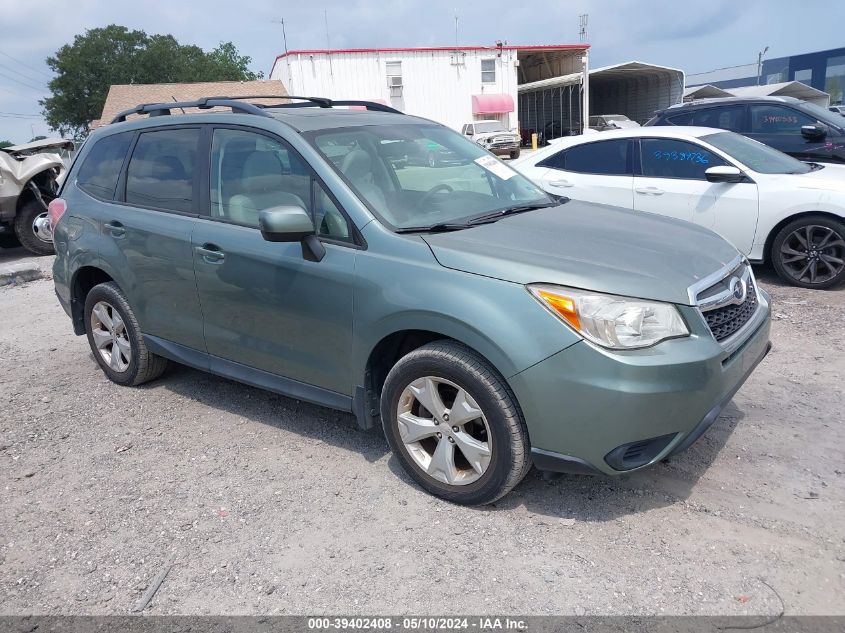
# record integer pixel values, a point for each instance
(401, 287)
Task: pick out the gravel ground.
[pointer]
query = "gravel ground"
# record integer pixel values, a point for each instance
(266, 505)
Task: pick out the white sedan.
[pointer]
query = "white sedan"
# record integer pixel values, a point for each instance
(771, 206)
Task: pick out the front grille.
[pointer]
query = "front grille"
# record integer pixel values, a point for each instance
(727, 320)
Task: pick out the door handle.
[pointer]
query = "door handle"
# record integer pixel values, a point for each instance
(560, 183)
(210, 253)
(115, 228)
(649, 191)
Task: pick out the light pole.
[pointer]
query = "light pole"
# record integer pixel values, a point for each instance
(760, 63)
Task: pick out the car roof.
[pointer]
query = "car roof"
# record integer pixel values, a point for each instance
(658, 131)
(309, 119)
(699, 103)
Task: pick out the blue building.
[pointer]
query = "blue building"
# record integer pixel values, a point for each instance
(823, 70)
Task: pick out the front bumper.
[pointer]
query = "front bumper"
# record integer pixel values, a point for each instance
(592, 410)
(499, 150)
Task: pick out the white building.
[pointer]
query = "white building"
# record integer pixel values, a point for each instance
(451, 85)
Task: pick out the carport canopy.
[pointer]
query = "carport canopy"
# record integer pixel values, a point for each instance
(785, 89)
(635, 89)
(705, 91)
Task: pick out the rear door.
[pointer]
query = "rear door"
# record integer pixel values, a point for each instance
(146, 233)
(266, 306)
(600, 172)
(671, 182)
(780, 127)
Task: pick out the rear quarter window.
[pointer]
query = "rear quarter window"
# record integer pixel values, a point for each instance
(100, 170)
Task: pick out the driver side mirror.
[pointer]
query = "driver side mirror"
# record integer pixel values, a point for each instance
(291, 223)
(724, 173)
(814, 132)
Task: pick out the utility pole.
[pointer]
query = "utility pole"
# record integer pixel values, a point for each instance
(760, 63)
(284, 35)
(326, 20)
(456, 27)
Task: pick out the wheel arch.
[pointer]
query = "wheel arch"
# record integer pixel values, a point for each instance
(770, 238)
(392, 346)
(83, 280)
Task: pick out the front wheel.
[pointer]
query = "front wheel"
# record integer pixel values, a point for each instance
(810, 252)
(32, 228)
(515, 154)
(454, 424)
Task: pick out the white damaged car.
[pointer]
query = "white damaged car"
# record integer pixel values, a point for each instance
(493, 136)
(29, 179)
(771, 206)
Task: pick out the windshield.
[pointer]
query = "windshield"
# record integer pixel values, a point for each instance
(489, 126)
(415, 175)
(825, 116)
(756, 156)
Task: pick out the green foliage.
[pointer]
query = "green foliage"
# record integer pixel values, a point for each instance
(6, 144)
(111, 55)
(37, 138)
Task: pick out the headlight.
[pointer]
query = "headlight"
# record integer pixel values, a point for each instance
(611, 321)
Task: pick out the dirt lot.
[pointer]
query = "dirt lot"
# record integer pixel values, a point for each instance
(268, 505)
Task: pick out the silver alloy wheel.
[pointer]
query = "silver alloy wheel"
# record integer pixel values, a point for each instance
(444, 431)
(41, 228)
(110, 337)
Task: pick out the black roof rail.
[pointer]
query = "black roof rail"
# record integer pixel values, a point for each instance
(163, 109)
(237, 105)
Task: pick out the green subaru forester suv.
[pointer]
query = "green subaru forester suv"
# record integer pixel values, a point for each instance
(483, 324)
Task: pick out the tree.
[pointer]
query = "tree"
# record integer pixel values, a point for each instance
(113, 54)
(5, 144)
(37, 138)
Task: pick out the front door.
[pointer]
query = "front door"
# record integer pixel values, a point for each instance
(264, 305)
(780, 127)
(671, 182)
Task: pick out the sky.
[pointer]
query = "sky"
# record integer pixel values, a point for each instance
(694, 37)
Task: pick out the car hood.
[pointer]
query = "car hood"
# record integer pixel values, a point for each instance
(830, 177)
(589, 246)
(483, 136)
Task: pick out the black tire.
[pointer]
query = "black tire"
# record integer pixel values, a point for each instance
(143, 365)
(26, 234)
(510, 452)
(514, 154)
(787, 246)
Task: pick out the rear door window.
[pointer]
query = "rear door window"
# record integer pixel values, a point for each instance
(724, 118)
(609, 158)
(100, 171)
(670, 158)
(160, 174)
(775, 119)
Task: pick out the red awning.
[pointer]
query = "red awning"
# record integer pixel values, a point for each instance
(381, 101)
(492, 104)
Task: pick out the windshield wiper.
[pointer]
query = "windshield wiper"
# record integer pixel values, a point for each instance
(496, 215)
(441, 227)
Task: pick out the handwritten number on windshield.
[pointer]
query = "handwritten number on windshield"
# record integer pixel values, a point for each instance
(693, 157)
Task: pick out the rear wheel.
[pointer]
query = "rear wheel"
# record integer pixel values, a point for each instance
(32, 228)
(810, 252)
(115, 338)
(454, 424)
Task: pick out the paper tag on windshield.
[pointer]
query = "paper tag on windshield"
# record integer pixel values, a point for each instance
(496, 167)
